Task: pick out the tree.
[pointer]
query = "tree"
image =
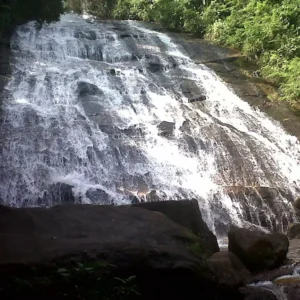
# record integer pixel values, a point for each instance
(14, 12)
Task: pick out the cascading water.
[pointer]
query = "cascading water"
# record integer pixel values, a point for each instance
(111, 109)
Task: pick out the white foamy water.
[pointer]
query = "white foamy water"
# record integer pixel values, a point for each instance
(87, 101)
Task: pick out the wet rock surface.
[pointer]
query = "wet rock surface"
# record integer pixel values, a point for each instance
(5, 68)
(258, 293)
(294, 231)
(243, 77)
(258, 251)
(166, 128)
(270, 275)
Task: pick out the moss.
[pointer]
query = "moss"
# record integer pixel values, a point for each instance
(195, 245)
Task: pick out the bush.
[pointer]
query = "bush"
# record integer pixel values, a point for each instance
(266, 31)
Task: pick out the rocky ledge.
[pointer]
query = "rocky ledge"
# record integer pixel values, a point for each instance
(158, 250)
(52, 252)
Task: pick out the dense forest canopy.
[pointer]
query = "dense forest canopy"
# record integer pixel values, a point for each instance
(267, 31)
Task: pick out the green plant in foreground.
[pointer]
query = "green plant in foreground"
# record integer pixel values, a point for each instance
(195, 244)
(89, 280)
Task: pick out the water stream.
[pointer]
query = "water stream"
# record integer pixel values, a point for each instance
(117, 109)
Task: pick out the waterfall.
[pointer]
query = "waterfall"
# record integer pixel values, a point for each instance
(116, 110)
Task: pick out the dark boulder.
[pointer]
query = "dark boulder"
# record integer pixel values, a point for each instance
(98, 196)
(187, 214)
(296, 203)
(294, 231)
(192, 90)
(61, 193)
(153, 197)
(113, 72)
(267, 192)
(293, 292)
(111, 130)
(197, 98)
(85, 88)
(228, 269)
(257, 293)
(257, 250)
(166, 128)
(155, 67)
(136, 241)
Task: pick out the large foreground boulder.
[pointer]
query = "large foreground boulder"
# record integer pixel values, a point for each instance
(257, 250)
(168, 261)
(187, 214)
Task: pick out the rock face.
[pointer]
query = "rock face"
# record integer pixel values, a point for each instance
(258, 251)
(137, 241)
(187, 214)
(228, 269)
(294, 231)
(5, 57)
(64, 192)
(270, 275)
(257, 293)
(293, 293)
(260, 197)
(294, 251)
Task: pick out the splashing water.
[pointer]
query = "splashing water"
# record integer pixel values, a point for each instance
(112, 108)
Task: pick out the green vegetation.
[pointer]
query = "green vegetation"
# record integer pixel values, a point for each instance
(266, 31)
(90, 280)
(99, 8)
(14, 12)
